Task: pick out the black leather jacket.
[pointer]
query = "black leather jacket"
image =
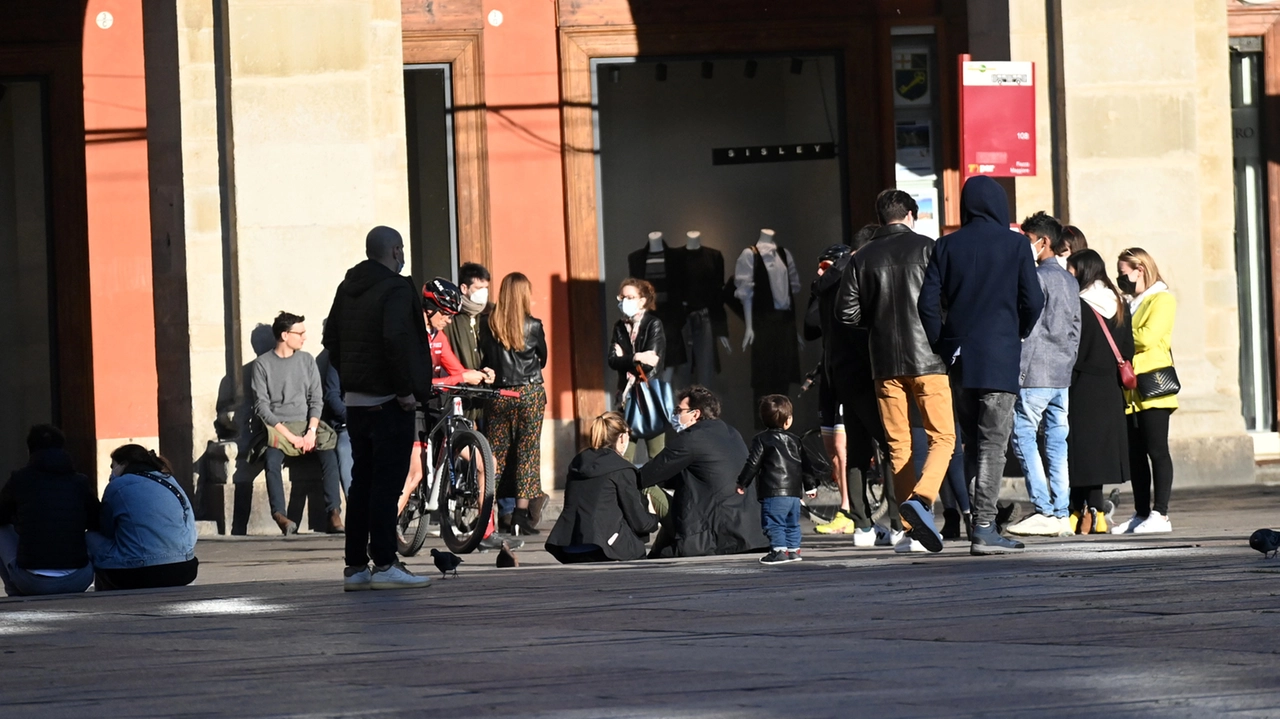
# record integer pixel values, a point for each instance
(845, 356)
(879, 291)
(650, 337)
(778, 459)
(515, 368)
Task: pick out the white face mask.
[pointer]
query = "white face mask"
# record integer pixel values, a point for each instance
(629, 307)
(480, 296)
(1062, 260)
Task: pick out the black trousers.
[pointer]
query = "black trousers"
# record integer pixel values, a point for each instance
(864, 439)
(1149, 460)
(178, 574)
(381, 445)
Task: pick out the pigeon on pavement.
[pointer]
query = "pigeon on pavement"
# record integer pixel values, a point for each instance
(507, 558)
(1266, 541)
(446, 562)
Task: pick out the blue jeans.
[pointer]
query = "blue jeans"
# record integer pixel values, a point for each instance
(780, 519)
(1050, 496)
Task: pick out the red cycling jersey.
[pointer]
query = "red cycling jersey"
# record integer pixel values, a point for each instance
(445, 366)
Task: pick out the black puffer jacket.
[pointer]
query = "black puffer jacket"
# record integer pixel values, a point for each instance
(779, 461)
(879, 291)
(603, 506)
(650, 337)
(515, 368)
(50, 505)
(375, 334)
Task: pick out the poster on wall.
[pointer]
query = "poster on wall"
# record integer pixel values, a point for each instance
(911, 86)
(997, 119)
(926, 196)
(914, 140)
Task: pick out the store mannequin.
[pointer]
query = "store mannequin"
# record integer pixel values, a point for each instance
(663, 267)
(767, 281)
(705, 319)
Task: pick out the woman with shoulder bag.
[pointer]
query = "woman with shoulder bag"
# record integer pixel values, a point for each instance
(1098, 444)
(513, 344)
(1156, 396)
(638, 343)
(605, 516)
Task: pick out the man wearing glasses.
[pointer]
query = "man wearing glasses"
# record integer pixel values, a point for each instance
(701, 463)
(288, 398)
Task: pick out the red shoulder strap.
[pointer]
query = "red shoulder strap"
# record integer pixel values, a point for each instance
(1107, 332)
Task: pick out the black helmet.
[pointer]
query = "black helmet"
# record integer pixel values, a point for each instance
(834, 253)
(441, 295)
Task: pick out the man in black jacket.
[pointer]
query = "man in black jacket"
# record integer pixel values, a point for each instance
(879, 291)
(377, 342)
(984, 275)
(702, 463)
(45, 509)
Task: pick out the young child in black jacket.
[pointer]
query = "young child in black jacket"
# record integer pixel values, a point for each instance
(785, 470)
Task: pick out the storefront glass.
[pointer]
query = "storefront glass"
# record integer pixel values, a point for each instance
(428, 105)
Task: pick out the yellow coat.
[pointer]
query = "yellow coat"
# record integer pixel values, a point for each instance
(1153, 347)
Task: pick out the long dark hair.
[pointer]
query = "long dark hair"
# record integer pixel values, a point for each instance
(1089, 267)
(135, 455)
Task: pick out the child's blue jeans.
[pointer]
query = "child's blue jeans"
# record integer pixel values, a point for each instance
(780, 518)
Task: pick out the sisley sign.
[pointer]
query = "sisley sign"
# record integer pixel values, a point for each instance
(773, 153)
(997, 119)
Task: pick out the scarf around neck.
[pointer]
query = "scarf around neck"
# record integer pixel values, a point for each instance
(471, 307)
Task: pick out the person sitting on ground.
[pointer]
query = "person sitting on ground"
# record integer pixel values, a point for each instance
(45, 509)
(605, 517)
(288, 397)
(147, 535)
(707, 515)
(784, 469)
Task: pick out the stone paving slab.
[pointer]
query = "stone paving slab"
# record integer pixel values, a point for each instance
(1181, 625)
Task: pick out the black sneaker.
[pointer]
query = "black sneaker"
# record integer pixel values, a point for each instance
(775, 557)
(794, 557)
(986, 540)
(922, 529)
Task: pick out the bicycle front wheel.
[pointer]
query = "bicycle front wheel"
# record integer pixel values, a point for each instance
(466, 491)
(411, 525)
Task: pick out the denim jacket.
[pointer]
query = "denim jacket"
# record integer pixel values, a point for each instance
(145, 523)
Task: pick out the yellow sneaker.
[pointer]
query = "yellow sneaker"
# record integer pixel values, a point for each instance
(841, 524)
(1075, 522)
(1099, 522)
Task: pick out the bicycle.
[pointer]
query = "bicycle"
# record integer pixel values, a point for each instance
(453, 484)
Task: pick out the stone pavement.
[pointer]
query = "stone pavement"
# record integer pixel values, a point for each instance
(1181, 625)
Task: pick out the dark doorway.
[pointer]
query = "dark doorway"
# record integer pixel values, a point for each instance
(433, 215)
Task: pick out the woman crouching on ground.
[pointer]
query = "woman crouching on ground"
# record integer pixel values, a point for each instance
(605, 517)
(147, 534)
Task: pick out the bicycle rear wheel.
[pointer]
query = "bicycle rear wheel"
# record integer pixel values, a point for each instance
(466, 491)
(411, 526)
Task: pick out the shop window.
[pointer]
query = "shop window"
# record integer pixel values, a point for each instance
(428, 106)
(26, 366)
(1257, 390)
(725, 147)
(916, 121)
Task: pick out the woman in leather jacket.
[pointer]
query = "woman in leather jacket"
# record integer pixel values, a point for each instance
(638, 341)
(513, 344)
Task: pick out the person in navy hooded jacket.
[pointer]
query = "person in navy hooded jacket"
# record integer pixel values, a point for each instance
(984, 277)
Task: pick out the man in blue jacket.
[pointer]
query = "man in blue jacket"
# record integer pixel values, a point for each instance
(984, 275)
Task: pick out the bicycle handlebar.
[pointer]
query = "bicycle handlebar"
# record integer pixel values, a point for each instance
(468, 389)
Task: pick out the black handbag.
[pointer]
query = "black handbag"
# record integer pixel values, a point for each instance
(1158, 383)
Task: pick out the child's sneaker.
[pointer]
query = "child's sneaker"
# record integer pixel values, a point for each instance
(775, 557)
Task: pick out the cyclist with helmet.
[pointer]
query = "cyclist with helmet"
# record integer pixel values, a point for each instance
(441, 302)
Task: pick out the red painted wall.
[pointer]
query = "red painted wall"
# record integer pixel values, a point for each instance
(124, 365)
(526, 187)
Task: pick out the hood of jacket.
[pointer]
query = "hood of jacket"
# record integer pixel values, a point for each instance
(1101, 298)
(593, 463)
(365, 276)
(984, 200)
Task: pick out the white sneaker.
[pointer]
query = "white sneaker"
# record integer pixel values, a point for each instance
(1064, 527)
(1037, 525)
(910, 546)
(865, 537)
(355, 579)
(395, 576)
(887, 537)
(1156, 523)
(1127, 526)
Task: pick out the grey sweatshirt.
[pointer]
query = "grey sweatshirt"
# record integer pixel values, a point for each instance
(1049, 352)
(286, 389)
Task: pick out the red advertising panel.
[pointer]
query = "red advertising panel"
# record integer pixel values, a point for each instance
(997, 119)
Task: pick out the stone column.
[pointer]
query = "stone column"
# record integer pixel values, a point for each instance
(1148, 164)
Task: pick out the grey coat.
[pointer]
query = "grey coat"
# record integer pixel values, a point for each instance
(1049, 352)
